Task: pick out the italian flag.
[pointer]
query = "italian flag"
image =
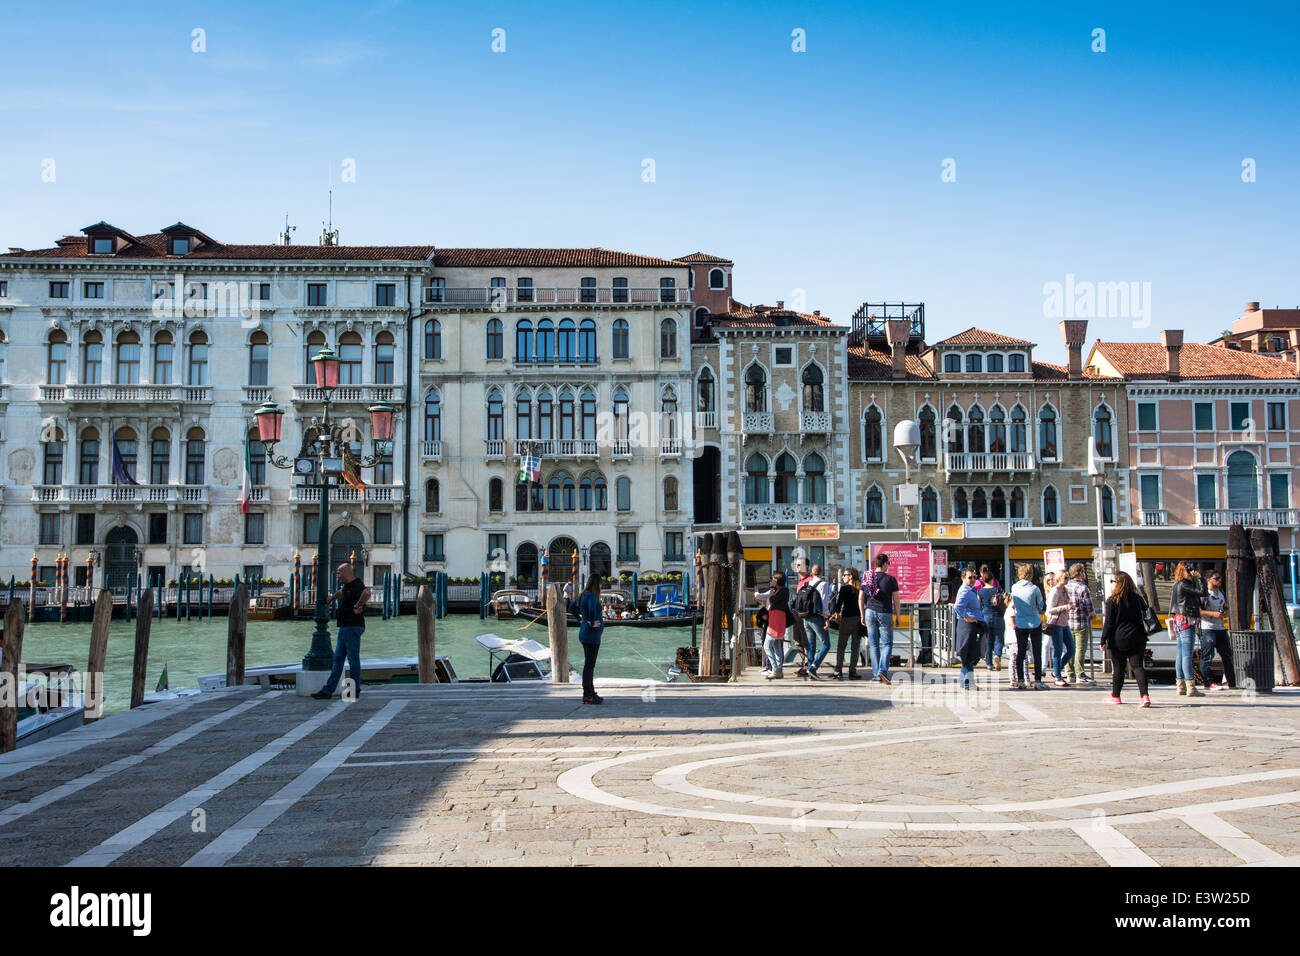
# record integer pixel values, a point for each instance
(246, 486)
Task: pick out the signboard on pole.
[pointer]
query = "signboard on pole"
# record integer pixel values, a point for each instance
(1053, 559)
(909, 562)
(938, 529)
(817, 532)
(939, 560)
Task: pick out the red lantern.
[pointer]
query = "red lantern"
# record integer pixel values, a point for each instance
(326, 364)
(268, 422)
(381, 421)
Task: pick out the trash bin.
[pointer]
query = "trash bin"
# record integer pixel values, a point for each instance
(1252, 657)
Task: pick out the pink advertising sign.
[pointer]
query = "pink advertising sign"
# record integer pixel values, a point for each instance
(909, 562)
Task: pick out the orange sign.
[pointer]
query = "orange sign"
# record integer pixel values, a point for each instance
(817, 532)
(936, 529)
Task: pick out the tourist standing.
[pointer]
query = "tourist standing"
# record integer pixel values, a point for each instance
(1029, 605)
(1125, 636)
(1184, 613)
(1080, 621)
(352, 596)
(848, 614)
(1058, 617)
(993, 603)
(812, 603)
(970, 618)
(592, 614)
(1214, 633)
(878, 601)
(777, 601)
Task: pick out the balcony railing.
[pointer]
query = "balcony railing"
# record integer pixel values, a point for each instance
(494, 447)
(431, 450)
(118, 494)
(989, 461)
(787, 514)
(256, 394)
(1154, 517)
(558, 447)
(670, 448)
(621, 448)
(1021, 523)
(350, 393)
(1249, 517)
(815, 423)
(706, 420)
(487, 297)
(300, 494)
(757, 423)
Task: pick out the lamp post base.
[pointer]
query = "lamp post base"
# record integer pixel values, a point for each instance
(309, 682)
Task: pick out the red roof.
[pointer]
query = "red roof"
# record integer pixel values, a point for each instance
(869, 363)
(768, 316)
(974, 336)
(154, 246)
(591, 258)
(1148, 360)
(703, 257)
(1046, 371)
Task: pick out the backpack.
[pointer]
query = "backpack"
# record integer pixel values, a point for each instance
(871, 584)
(999, 600)
(808, 601)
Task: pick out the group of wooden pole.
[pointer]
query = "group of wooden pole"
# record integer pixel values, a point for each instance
(722, 561)
(1252, 563)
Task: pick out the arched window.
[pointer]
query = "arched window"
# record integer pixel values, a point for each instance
(974, 362)
(717, 279)
(198, 372)
(755, 389)
(960, 506)
(496, 413)
(567, 414)
(814, 479)
(256, 459)
(163, 356)
(998, 504)
(787, 482)
(929, 504)
(523, 415)
(620, 346)
(670, 494)
(1015, 362)
(432, 415)
(756, 483)
(433, 339)
(875, 505)
(546, 341)
(350, 358)
(705, 391)
(1102, 432)
(194, 457)
(602, 492)
(1017, 503)
(526, 564)
(92, 358)
(873, 434)
(56, 364)
(553, 492)
(975, 430)
(315, 342)
(160, 454)
(585, 493)
(622, 412)
(1243, 480)
(623, 490)
(1047, 433)
(979, 505)
(88, 470)
(925, 419)
(668, 339)
(494, 347)
(259, 359)
(432, 496)
(701, 316)
(814, 399)
(588, 414)
(1051, 509)
(955, 433)
(1107, 505)
(995, 363)
(545, 415)
(523, 341)
(385, 355)
(570, 492)
(128, 359)
(997, 430)
(668, 414)
(565, 342)
(587, 342)
(1018, 437)
(600, 560)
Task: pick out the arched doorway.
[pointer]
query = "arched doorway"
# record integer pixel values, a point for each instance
(707, 483)
(119, 557)
(345, 542)
(561, 557)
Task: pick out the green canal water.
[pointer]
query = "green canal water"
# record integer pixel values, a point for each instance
(194, 648)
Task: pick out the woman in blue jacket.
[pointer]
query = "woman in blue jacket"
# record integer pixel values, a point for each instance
(591, 614)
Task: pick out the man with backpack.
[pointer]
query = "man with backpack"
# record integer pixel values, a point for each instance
(879, 602)
(810, 603)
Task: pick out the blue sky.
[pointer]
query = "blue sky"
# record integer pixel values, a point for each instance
(817, 171)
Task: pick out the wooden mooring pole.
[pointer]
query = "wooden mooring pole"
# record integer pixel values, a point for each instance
(140, 663)
(557, 629)
(10, 656)
(236, 635)
(426, 633)
(1265, 545)
(94, 683)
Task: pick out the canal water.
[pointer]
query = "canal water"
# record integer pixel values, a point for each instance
(190, 649)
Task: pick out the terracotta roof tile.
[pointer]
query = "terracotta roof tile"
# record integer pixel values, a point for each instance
(974, 336)
(766, 316)
(154, 246)
(1148, 360)
(703, 257)
(592, 258)
(869, 364)
(1046, 371)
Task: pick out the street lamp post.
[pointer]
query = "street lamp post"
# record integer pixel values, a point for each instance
(907, 439)
(324, 453)
(1097, 471)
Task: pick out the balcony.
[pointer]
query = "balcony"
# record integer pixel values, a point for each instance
(787, 514)
(815, 423)
(494, 447)
(756, 423)
(110, 494)
(1248, 517)
(257, 394)
(431, 450)
(343, 494)
(119, 394)
(621, 448)
(670, 448)
(706, 420)
(259, 495)
(1017, 523)
(482, 297)
(1153, 517)
(364, 394)
(988, 461)
(558, 447)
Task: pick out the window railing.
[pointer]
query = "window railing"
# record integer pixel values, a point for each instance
(989, 461)
(670, 447)
(487, 296)
(82, 494)
(256, 394)
(1154, 517)
(787, 514)
(494, 447)
(350, 393)
(815, 423)
(757, 423)
(628, 558)
(621, 448)
(1250, 517)
(113, 393)
(431, 450)
(300, 494)
(706, 420)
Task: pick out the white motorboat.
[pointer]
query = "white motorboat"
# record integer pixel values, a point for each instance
(49, 702)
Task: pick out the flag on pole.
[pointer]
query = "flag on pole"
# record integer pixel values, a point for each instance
(352, 475)
(530, 468)
(120, 475)
(162, 681)
(246, 485)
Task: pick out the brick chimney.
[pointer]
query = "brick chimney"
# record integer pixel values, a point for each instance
(897, 332)
(1252, 307)
(1173, 342)
(1074, 332)
(1294, 336)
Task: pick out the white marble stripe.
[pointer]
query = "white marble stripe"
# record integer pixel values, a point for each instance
(1235, 841)
(1111, 845)
(234, 839)
(132, 836)
(89, 779)
(481, 758)
(1029, 712)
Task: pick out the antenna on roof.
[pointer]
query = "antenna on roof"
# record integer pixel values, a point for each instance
(284, 237)
(329, 236)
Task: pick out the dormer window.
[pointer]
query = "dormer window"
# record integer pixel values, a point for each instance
(995, 363)
(179, 247)
(974, 363)
(1015, 362)
(717, 279)
(952, 362)
(101, 247)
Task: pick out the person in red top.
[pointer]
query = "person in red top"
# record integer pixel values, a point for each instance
(777, 600)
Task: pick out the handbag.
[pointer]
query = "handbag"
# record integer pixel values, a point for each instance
(1150, 619)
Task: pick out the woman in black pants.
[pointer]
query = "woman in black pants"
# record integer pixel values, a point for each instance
(849, 615)
(1122, 632)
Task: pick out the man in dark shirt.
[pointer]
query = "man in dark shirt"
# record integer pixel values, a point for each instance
(352, 596)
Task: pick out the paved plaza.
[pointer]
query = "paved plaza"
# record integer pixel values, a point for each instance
(757, 773)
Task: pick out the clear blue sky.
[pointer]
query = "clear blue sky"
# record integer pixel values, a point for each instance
(817, 171)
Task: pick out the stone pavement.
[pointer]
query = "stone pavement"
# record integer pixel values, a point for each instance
(788, 772)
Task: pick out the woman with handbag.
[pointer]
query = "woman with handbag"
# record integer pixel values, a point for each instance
(1124, 632)
(1058, 616)
(1184, 615)
(993, 605)
(1029, 605)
